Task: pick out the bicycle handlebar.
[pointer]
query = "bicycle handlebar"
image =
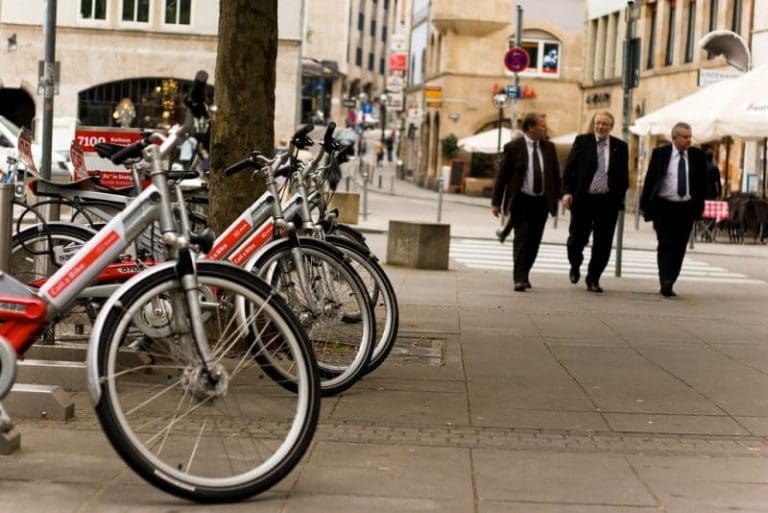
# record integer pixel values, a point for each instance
(132, 151)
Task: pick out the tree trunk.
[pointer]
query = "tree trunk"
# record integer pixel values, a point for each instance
(245, 98)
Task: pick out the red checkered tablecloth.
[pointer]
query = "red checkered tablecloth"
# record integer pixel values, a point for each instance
(717, 210)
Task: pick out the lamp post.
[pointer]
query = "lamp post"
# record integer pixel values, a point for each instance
(500, 101)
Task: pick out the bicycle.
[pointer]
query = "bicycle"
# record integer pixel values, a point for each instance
(168, 347)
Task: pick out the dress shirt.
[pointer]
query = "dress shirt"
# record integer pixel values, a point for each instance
(527, 187)
(668, 189)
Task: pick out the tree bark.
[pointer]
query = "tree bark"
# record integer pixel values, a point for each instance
(245, 98)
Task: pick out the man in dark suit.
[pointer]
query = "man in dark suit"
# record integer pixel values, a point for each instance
(673, 198)
(528, 179)
(595, 182)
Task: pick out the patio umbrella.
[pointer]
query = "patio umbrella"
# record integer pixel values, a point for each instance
(488, 141)
(736, 107)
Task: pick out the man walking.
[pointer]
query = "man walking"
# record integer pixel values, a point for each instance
(595, 182)
(528, 178)
(673, 198)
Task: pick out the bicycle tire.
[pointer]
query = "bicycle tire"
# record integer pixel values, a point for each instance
(40, 240)
(342, 347)
(232, 441)
(382, 297)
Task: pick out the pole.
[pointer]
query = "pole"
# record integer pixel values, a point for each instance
(6, 224)
(765, 149)
(626, 114)
(518, 42)
(48, 82)
(439, 198)
(501, 120)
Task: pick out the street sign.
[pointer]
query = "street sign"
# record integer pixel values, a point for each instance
(395, 83)
(398, 61)
(399, 43)
(395, 101)
(433, 95)
(516, 59)
(513, 91)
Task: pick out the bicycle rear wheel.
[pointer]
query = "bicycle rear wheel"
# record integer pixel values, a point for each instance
(204, 439)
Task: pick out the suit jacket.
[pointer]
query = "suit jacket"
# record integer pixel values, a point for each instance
(657, 168)
(512, 171)
(582, 163)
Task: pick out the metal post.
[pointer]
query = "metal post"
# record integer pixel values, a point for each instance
(439, 198)
(6, 224)
(380, 180)
(346, 180)
(626, 114)
(392, 183)
(518, 42)
(48, 83)
(365, 196)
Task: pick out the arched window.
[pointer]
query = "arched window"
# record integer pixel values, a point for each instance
(544, 53)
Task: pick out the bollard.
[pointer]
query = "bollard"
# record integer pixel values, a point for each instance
(439, 198)
(6, 224)
(346, 179)
(380, 180)
(392, 184)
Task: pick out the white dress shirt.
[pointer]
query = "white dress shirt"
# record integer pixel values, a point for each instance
(668, 189)
(528, 181)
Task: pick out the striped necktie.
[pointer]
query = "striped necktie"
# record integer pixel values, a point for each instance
(600, 180)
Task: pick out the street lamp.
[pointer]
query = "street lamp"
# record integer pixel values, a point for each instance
(500, 101)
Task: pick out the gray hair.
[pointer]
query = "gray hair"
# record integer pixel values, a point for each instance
(606, 114)
(678, 126)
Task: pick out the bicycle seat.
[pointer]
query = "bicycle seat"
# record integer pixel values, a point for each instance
(43, 187)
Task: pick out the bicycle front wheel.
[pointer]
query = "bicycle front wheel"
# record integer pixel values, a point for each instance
(220, 436)
(331, 302)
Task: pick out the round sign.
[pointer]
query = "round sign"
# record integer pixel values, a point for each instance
(516, 59)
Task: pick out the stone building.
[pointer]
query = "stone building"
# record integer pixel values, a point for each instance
(457, 64)
(670, 63)
(114, 49)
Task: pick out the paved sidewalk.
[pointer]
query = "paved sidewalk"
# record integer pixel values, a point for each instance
(553, 400)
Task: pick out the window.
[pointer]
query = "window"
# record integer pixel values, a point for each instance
(382, 66)
(669, 53)
(373, 28)
(386, 5)
(651, 38)
(712, 15)
(736, 20)
(136, 10)
(359, 56)
(689, 44)
(93, 9)
(178, 12)
(543, 57)
(360, 21)
(384, 33)
(370, 61)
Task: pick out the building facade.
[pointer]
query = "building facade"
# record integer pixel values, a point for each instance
(670, 64)
(114, 49)
(457, 53)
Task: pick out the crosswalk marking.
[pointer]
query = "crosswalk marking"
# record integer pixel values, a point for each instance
(552, 259)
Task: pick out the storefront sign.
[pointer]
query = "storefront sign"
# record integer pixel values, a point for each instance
(117, 177)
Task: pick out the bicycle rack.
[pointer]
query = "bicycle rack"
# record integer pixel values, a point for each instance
(32, 400)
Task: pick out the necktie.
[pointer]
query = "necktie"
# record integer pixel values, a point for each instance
(682, 183)
(600, 180)
(538, 179)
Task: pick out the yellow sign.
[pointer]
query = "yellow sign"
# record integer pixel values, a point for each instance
(433, 96)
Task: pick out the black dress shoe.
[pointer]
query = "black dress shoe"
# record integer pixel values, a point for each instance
(574, 275)
(500, 235)
(527, 284)
(520, 287)
(666, 291)
(593, 286)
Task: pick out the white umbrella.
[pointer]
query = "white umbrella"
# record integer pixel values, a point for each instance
(736, 107)
(488, 141)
